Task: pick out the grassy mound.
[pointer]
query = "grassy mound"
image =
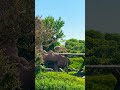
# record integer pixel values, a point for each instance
(58, 81)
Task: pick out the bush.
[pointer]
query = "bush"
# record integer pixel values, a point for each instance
(75, 62)
(39, 68)
(58, 81)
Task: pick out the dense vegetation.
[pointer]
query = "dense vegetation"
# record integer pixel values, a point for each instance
(102, 48)
(58, 81)
(75, 62)
(48, 32)
(75, 46)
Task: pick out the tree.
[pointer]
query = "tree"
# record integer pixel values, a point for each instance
(75, 46)
(55, 26)
(48, 32)
(103, 47)
(43, 35)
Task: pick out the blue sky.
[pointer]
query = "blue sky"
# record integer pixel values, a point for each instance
(71, 11)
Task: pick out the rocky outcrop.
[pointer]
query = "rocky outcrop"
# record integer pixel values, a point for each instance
(60, 49)
(53, 57)
(23, 70)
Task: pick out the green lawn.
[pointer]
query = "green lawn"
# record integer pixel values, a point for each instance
(58, 81)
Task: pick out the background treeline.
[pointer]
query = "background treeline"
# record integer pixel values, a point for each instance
(75, 46)
(102, 48)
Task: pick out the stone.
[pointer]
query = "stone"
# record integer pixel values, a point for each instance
(60, 70)
(48, 69)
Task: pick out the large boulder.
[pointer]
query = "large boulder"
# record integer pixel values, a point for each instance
(59, 59)
(48, 69)
(23, 70)
(60, 49)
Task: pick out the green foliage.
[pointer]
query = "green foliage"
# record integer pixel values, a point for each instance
(101, 82)
(39, 68)
(38, 59)
(52, 46)
(55, 26)
(102, 48)
(48, 31)
(75, 62)
(58, 81)
(43, 34)
(75, 46)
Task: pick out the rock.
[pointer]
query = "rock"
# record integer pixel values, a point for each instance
(60, 49)
(83, 77)
(69, 69)
(56, 58)
(73, 69)
(60, 70)
(48, 69)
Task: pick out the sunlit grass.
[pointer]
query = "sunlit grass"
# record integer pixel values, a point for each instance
(58, 81)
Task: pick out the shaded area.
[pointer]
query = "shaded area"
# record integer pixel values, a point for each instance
(17, 27)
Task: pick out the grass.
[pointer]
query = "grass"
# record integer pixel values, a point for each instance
(101, 82)
(72, 73)
(58, 81)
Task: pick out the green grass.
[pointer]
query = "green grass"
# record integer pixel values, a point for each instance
(58, 81)
(75, 62)
(72, 73)
(101, 82)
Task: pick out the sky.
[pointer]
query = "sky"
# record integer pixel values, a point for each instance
(72, 13)
(103, 15)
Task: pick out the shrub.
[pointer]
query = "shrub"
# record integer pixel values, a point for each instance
(75, 62)
(58, 81)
